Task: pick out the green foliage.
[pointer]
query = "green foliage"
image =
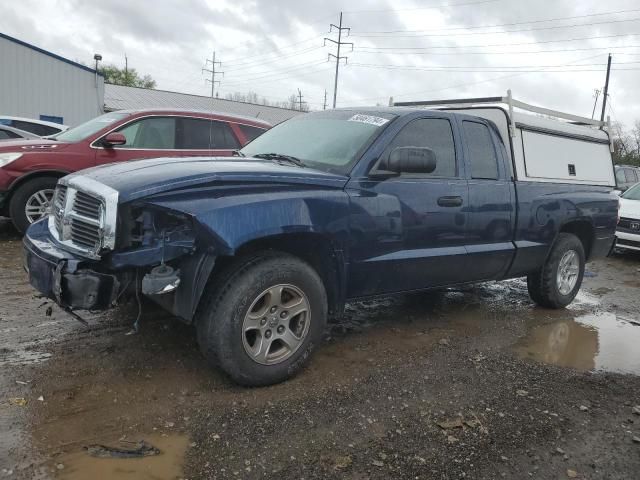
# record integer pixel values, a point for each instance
(130, 78)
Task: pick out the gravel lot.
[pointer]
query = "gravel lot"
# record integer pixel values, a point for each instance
(464, 383)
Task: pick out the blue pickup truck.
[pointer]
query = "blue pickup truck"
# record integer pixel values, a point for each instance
(256, 251)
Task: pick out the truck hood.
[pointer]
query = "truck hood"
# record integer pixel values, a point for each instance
(143, 178)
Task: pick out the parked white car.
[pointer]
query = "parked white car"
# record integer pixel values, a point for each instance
(42, 128)
(628, 231)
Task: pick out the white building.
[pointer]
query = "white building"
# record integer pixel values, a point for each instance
(35, 83)
(119, 97)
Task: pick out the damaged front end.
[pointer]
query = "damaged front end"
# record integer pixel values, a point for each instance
(92, 253)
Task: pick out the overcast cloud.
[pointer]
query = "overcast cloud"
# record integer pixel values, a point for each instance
(275, 47)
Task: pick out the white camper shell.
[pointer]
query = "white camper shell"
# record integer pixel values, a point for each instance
(550, 146)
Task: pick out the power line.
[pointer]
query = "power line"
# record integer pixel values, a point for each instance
(360, 50)
(280, 78)
(553, 27)
(276, 58)
(473, 67)
(504, 44)
(422, 8)
(508, 24)
(275, 73)
(337, 56)
(467, 84)
(271, 72)
(274, 50)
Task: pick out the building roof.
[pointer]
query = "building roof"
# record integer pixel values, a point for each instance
(49, 54)
(119, 97)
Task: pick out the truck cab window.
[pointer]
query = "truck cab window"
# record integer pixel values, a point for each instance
(433, 133)
(483, 158)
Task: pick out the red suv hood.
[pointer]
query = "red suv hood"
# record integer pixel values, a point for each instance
(32, 145)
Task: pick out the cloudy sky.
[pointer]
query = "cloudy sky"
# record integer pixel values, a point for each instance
(549, 52)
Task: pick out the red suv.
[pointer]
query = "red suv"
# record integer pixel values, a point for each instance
(30, 169)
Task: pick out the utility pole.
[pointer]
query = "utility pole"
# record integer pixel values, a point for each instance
(213, 72)
(339, 43)
(324, 105)
(605, 94)
(299, 100)
(126, 68)
(595, 104)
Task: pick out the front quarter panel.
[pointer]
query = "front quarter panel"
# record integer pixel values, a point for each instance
(230, 217)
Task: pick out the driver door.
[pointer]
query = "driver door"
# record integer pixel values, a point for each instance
(408, 232)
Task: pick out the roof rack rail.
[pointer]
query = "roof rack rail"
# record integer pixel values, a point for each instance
(512, 103)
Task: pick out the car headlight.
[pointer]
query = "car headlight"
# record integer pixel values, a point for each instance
(7, 158)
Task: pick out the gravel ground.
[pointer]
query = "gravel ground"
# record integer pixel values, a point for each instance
(465, 383)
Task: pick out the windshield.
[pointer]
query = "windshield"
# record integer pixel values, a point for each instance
(330, 141)
(632, 193)
(87, 129)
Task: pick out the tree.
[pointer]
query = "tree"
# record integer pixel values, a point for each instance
(130, 78)
(626, 145)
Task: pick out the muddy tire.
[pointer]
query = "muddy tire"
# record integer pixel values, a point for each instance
(31, 195)
(559, 280)
(262, 318)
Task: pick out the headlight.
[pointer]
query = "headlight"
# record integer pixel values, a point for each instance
(7, 158)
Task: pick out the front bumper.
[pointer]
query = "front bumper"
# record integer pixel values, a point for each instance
(628, 240)
(68, 279)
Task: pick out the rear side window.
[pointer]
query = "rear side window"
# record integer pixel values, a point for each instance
(251, 132)
(152, 133)
(484, 161)
(222, 136)
(36, 128)
(433, 133)
(202, 134)
(631, 176)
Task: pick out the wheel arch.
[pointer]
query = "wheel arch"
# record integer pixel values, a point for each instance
(318, 250)
(584, 230)
(17, 183)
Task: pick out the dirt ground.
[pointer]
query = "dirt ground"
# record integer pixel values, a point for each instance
(464, 383)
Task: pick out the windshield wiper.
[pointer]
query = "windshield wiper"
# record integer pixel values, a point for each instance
(280, 156)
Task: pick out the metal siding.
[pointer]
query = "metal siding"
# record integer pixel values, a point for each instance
(118, 97)
(35, 84)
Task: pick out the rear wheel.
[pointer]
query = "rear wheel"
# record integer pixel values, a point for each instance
(557, 283)
(31, 201)
(262, 319)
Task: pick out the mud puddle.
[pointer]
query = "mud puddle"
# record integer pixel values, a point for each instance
(167, 465)
(593, 342)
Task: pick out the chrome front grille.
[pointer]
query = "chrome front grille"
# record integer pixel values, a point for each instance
(83, 217)
(57, 211)
(87, 206)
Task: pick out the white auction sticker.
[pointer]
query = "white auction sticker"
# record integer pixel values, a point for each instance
(370, 119)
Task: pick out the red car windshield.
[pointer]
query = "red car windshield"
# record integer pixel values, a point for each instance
(87, 129)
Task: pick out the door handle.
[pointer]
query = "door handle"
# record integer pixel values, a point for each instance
(450, 201)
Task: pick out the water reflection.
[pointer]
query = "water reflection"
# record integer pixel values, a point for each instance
(599, 341)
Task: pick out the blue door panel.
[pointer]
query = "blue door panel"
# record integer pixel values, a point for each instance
(401, 238)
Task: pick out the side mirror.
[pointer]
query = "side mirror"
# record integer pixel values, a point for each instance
(114, 138)
(410, 160)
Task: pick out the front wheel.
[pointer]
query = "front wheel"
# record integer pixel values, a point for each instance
(263, 318)
(31, 201)
(557, 283)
